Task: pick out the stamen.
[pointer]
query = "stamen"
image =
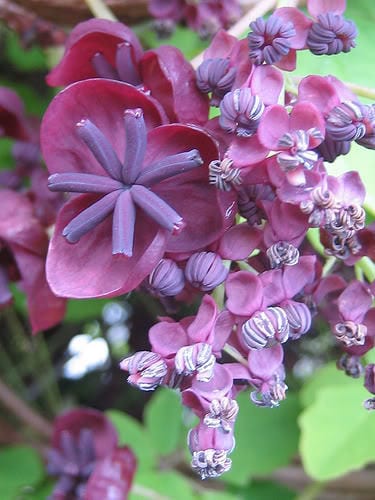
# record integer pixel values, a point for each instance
(282, 253)
(123, 225)
(157, 209)
(102, 67)
(241, 112)
(90, 217)
(205, 271)
(210, 463)
(266, 328)
(126, 67)
(196, 358)
(83, 183)
(167, 279)
(299, 318)
(350, 333)
(351, 365)
(98, 144)
(222, 413)
(136, 142)
(331, 34)
(170, 166)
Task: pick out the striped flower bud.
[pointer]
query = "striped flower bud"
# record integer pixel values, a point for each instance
(222, 413)
(216, 76)
(147, 370)
(205, 271)
(331, 34)
(211, 463)
(167, 279)
(345, 122)
(196, 358)
(223, 175)
(266, 328)
(299, 318)
(269, 40)
(241, 112)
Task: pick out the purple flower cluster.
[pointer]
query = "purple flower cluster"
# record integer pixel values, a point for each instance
(189, 208)
(205, 17)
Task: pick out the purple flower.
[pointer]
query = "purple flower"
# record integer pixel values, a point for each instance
(150, 193)
(84, 450)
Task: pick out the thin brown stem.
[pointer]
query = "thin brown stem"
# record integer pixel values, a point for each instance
(24, 412)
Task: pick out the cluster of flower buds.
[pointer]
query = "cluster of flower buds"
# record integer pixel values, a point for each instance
(215, 211)
(205, 17)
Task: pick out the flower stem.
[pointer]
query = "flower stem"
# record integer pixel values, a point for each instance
(311, 491)
(239, 29)
(24, 412)
(232, 351)
(99, 9)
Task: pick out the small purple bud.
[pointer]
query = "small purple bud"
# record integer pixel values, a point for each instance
(331, 34)
(205, 271)
(147, 370)
(351, 365)
(299, 318)
(241, 112)
(345, 122)
(282, 254)
(269, 40)
(167, 279)
(216, 76)
(370, 378)
(266, 328)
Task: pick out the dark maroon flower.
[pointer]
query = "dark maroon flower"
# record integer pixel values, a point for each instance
(84, 445)
(23, 248)
(98, 48)
(135, 190)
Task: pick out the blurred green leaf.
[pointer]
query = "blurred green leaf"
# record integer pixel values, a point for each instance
(20, 466)
(184, 39)
(32, 59)
(85, 309)
(161, 485)
(327, 376)
(163, 419)
(133, 434)
(217, 495)
(266, 438)
(337, 432)
(267, 490)
(354, 66)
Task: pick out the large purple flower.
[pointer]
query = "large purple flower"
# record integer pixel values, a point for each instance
(108, 239)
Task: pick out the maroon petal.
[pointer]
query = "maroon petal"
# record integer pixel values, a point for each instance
(296, 277)
(87, 39)
(202, 327)
(103, 102)
(355, 301)
(113, 476)
(239, 241)
(88, 268)
(305, 116)
(45, 309)
(220, 46)
(301, 23)
(316, 7)
(244, 292)
(267, 82)
(167, 338)
(273, 125)
(264, 363)
(245, 151)
(13, 122)
(318, 91)
(171, 79)
(73, 421)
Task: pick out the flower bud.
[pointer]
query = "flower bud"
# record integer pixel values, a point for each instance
(266, 328)
(167, 279)
(205, 271)
(147, 370)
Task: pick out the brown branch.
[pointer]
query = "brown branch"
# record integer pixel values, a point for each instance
(23, 412)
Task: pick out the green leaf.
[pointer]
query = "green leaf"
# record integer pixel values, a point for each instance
(84, 309)
(266, 438)
(20, 466)
(32, 59)
(162, 485)
(217, 495)
(328, 376)
(184, 39)
(337, 432)
(353, 66)
(133, 434)
(163, 419)
(267, 490)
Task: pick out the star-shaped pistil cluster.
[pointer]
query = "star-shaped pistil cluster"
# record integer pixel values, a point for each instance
(126, 185)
